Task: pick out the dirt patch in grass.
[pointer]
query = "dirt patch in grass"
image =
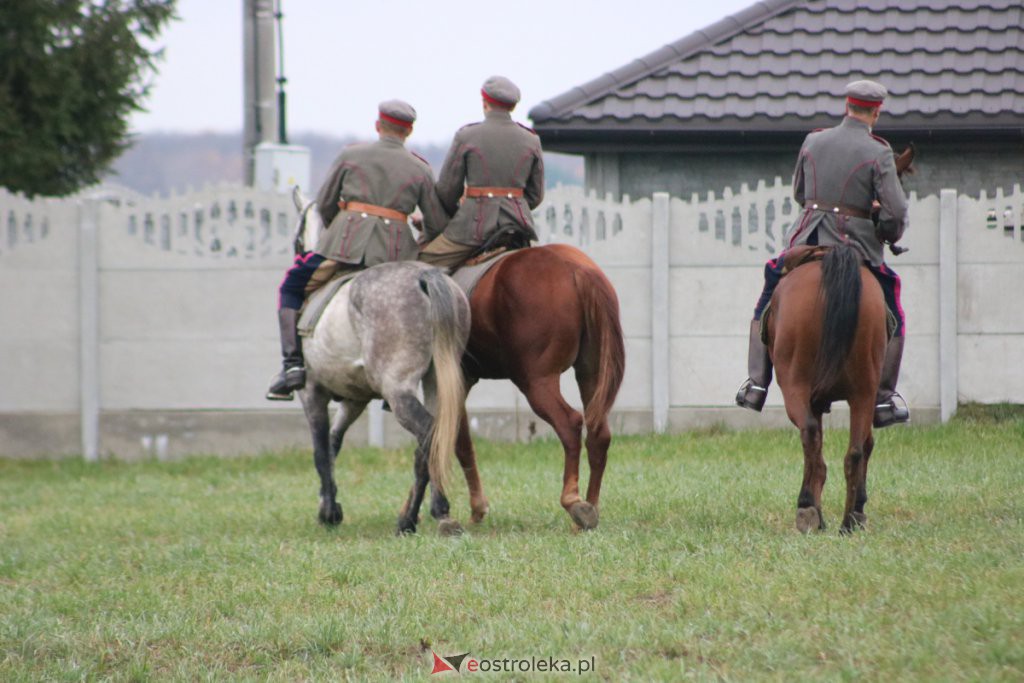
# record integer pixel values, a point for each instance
(990, 413)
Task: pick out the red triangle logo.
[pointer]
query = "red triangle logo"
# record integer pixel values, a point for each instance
(440, 665)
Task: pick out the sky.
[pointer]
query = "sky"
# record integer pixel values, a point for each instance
(342, 57)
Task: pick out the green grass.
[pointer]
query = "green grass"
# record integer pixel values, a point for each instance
(209, 569)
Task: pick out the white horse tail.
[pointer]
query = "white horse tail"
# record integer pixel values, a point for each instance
(449, 314)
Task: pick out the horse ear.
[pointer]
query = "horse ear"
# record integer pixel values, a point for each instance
(904, 160)
(298, 198)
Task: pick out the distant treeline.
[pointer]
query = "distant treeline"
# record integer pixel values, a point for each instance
(161, 162)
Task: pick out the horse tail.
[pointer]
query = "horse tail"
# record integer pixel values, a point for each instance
(841, 290)
(601, 326)
(450, 322)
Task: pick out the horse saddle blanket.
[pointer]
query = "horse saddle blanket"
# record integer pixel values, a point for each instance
(317, 302)
(467, 277)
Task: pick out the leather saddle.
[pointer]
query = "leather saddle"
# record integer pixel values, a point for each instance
(804, 253)
(502, 240)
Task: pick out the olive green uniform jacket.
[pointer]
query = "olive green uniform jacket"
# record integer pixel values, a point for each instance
(383, 173)
(847, 165)
(497, 152)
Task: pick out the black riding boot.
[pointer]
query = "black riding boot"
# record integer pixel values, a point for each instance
(890, 408)
(759, 366)
(293, 375)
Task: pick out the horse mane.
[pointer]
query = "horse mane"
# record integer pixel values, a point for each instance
(841, 291)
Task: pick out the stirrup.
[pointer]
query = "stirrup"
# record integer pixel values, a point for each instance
(751, 396)
(287, 383)
(892, 411)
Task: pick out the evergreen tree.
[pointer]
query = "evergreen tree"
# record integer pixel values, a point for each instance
(71, 73)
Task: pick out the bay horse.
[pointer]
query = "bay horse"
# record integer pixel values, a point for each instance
(538, 312)
(826, 333)
(394, 327)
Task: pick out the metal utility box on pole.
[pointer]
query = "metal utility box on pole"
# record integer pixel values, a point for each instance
(281, 167)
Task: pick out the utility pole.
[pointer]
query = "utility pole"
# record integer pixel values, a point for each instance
(260, 97)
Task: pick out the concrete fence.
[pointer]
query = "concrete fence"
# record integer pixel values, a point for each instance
(144, 327)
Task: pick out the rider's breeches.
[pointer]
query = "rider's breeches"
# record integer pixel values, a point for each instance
(887, 278)
(310, 272)
(891, 290)
(441, 252)
(772, 275)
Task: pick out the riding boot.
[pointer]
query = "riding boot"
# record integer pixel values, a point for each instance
(759, 366)
(890, 408)
(293, 374)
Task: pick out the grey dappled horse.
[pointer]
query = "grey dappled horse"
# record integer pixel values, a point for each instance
(394, 327)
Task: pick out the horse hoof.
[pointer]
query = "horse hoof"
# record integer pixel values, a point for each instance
(808, 519)
(855, 521)
(405, 526)
(479, 512)
(584, 514)
(330, 514)
(449, 527)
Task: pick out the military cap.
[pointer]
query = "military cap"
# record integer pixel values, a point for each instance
(865, 93)
(397, 112)
(500, 91)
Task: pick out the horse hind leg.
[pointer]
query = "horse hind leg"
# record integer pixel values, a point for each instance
(439, 506)
(862, 488)
(546, 400)
(855, 464)
(599, 437)
(809, 515)
(466, 454)
(415, 419)
(348, 412)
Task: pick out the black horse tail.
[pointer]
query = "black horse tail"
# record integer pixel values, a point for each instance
(841, 291)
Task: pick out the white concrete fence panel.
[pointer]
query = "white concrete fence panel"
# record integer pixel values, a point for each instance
(144, 326)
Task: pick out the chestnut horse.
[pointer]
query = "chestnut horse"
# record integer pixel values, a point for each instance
(826, 332)
(537, 313)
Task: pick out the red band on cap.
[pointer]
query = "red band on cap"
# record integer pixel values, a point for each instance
(495, 100)
(397, 122)
(864, 103)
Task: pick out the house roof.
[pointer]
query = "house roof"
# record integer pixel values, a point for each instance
(781, 66)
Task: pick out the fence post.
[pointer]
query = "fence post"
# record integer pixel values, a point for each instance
(375, 425)
(949, 371)
(89, 328)
(659, 311)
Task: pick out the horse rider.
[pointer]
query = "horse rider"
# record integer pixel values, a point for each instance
(365, 203)
(491, 179)
(843, 173)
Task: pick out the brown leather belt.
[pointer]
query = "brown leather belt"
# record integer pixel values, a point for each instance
(373, 210)
(851, 211)
(509, 192)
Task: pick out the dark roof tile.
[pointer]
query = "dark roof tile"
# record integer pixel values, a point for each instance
(957, 63)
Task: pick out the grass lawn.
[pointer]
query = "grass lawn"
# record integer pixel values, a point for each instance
(209, 569)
